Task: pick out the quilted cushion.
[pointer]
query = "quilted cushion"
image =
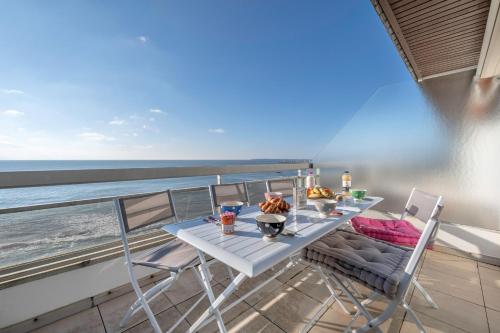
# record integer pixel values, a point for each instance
(376, 264)
(399, 232)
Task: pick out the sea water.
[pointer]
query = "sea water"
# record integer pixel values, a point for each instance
(32, 235)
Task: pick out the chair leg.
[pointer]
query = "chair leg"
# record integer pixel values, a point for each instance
(414, 316)
(332, 290)
(148, 296)
(353, 299)
(424, 293)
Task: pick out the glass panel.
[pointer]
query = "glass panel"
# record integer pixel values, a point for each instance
(191, 203)
(442, 137)
(27, 236)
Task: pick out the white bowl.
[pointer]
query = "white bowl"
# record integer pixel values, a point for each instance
(325, 206)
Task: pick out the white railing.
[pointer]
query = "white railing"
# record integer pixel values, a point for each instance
(20, 179)
(17, 179)
(38, 268)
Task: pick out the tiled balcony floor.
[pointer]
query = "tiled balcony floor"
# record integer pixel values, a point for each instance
(467, 292)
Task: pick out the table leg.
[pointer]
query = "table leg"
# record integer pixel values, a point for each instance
(214, 303)
(205, 279)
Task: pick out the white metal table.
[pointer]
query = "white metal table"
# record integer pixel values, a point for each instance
(248, 253)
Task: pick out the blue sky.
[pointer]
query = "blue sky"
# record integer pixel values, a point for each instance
(186, 79)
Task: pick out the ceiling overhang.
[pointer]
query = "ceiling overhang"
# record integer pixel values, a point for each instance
(436, 37)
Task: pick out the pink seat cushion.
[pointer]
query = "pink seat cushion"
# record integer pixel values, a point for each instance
(399, 232)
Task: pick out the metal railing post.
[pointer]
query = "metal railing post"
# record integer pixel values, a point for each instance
(219, 179)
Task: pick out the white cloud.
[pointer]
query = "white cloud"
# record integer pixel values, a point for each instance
(156, 111)
(142, 146)
(12, 91)
(117, 122)
(135, 134)
(5, 140)
(94, 136)
(217, 130)
(152, 119)
(142, 39)
(13, 113)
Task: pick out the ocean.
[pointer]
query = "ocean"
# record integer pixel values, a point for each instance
(32, 235)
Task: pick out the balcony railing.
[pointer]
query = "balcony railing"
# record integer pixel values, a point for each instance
(68, 260)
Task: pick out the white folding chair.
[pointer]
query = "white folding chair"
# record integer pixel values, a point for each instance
(139, 211)
(228, 192)
(420, 205)
(283, 185)
(340, 254)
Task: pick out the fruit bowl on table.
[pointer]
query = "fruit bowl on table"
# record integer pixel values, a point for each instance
(319, 192)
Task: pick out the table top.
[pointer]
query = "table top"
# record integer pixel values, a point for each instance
(247, 251)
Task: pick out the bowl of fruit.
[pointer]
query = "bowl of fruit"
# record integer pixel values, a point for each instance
(320, 192)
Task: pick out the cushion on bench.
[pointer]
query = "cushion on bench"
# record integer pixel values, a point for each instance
(399, 232)
(378, 265)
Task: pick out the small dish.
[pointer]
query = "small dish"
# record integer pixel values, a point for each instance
(358, 195)
(273, 195)
(325, 206)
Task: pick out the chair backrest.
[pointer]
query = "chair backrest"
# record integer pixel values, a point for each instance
(255, 191)
(431, 227)
(138, 211)
(284, 185)
(228, 192)
(422, 205)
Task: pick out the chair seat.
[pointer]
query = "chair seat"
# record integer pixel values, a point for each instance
(378, 265)
(173, 256)
(399, 232)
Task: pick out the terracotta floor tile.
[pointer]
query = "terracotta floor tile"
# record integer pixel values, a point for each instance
(113, 311)
(464, 269)
(468, 288)
(431, 325)
(198, 311)
(493, 320)
(465, 315)
(310, 283)
(250, 284)
(335, 320)
(252, 322)
(490, 281)
(165, 319)
(288, 308)
(497, 268)
(84, 322)
(184, 288)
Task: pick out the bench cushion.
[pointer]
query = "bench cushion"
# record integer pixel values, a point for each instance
(378, 265)
(399, 232)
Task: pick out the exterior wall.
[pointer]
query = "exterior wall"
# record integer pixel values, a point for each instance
(442, 136)
(34, 298)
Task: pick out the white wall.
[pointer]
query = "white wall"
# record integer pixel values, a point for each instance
(34, 298)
